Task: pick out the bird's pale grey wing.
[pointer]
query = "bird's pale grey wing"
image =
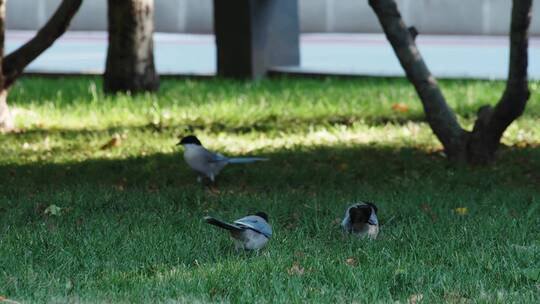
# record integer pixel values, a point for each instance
(346, 223)
(214, 157)
(256, 223)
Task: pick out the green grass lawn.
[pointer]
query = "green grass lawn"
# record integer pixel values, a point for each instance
(130, 226)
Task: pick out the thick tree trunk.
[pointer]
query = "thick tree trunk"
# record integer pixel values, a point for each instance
(130, 58)
(480, 145)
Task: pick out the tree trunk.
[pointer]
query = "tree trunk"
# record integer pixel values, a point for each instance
(6, 119)
(7, 123)
(479, 145)
(492, 122)
(13, 65)
(130, 58)
(57, 25)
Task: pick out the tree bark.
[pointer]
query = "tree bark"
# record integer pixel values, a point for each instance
(130, 58)
(57, 25)
(6, 119)
(440, 117)
(492, 122)
(13, 65)
(480, 145)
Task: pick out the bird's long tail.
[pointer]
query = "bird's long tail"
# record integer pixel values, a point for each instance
(221, 224)
(246, 160)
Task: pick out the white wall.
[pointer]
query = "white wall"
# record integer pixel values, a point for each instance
(195, 16)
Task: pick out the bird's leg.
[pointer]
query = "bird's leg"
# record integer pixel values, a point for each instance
(210, 184)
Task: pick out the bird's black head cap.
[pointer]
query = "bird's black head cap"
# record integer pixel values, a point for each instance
(360, 213)
(190, 139)
(372, 206)
(263, 215)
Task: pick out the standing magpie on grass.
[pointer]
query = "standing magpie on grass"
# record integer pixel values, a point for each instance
(250, 233)
(206, 163)
(361, 220)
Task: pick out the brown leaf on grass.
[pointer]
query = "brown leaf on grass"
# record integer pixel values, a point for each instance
(427, 209)
(120, 185)
(342, 167)
(400, 107)
(290, 226)
(351, 261)
(296, 269)
(454, 297)
(213, 190)
(53, 210)
(52, 227)
(115, 141)
(6, 300)
(79, 222)
(415, 298)
(152, 188)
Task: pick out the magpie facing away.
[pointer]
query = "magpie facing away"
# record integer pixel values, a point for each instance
(361, 220)
(206, 163)
(250, 233)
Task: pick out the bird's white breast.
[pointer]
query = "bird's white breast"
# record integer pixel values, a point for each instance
(193, 155)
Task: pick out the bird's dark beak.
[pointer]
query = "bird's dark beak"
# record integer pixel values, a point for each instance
(179, 143)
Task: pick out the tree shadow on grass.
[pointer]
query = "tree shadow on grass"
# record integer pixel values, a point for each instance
(313, 168)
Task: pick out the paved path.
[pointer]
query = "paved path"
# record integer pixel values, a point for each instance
(354, 54)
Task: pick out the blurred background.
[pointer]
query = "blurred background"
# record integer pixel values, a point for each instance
(441, 17)
(458, 38)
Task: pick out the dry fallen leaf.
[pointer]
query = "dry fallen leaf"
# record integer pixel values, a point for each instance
(342, 167)
(299, 254)
(454, 297)
(427, 209)
(53, 210)
(461, 210)
(120, 185)
(400, 107)
(213, 190)
(296, 269)
(415, 298)
(6, 300)
(351, 261)
(115, 141)
(152, 188)
(290, 226)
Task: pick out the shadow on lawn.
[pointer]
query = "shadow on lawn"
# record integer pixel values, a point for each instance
(311, 168)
